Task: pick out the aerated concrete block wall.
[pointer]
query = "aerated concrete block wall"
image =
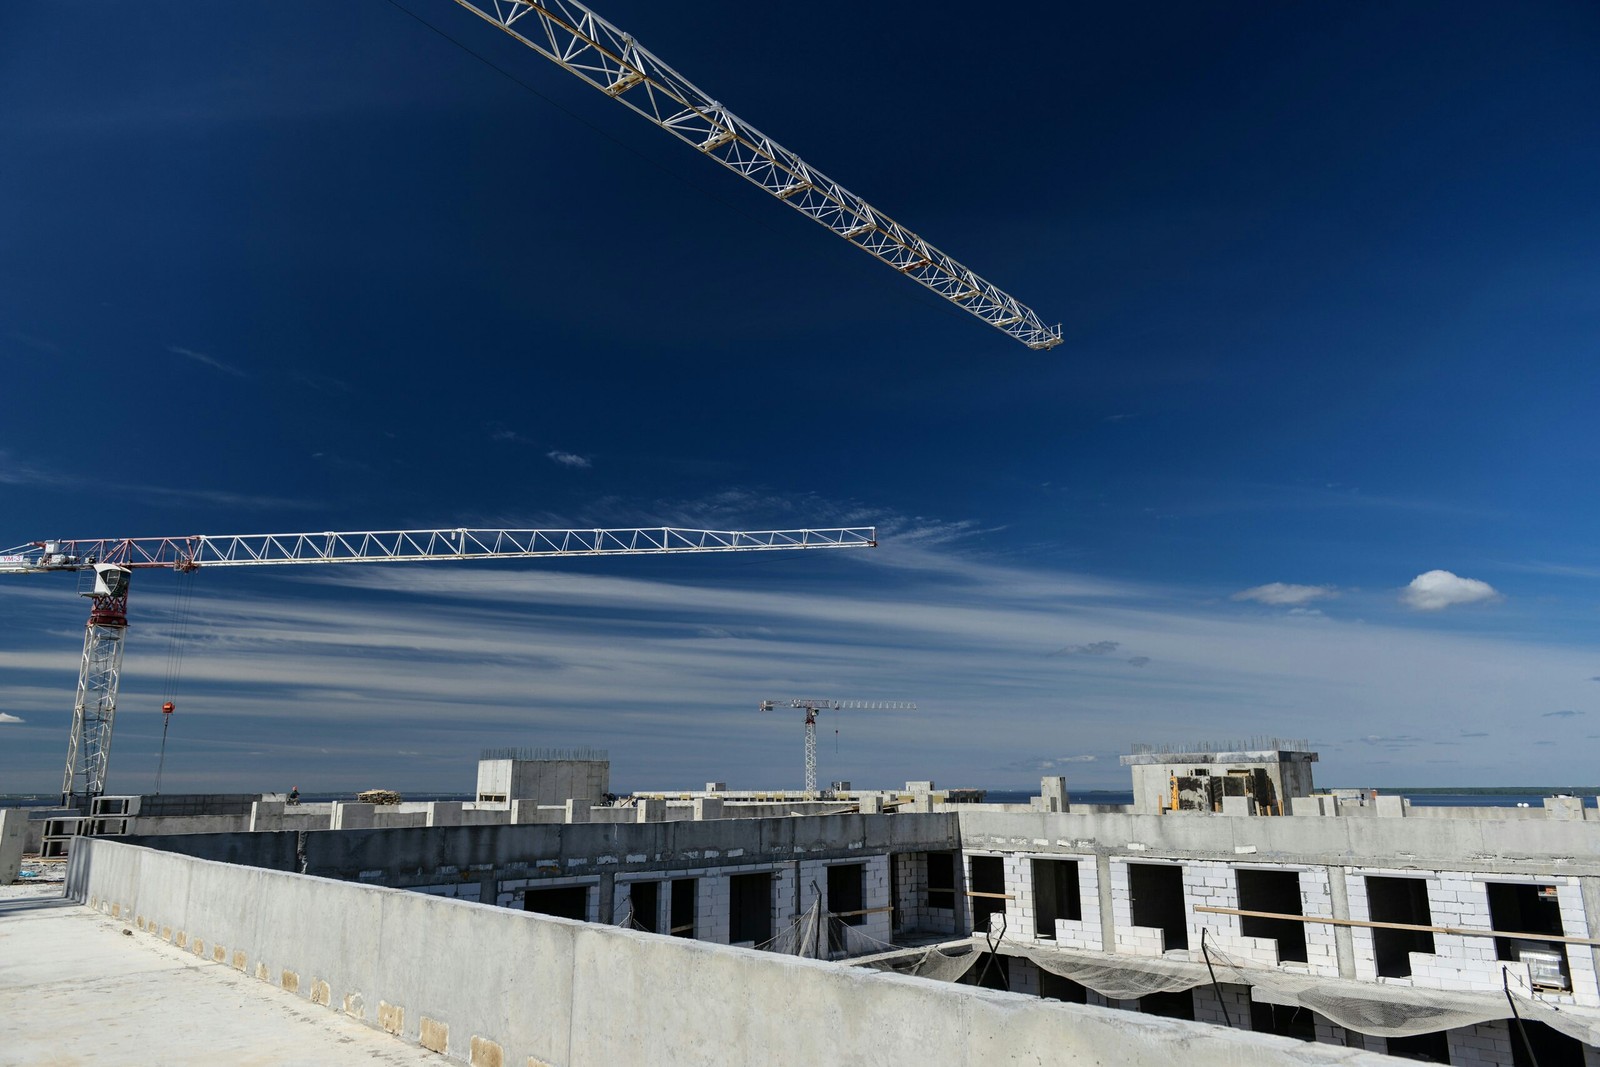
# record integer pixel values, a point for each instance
(489, 985)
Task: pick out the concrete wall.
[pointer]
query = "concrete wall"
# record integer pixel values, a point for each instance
(489, 985)
(1509, 846)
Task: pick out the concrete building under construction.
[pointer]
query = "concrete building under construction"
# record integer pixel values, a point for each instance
(515, 929)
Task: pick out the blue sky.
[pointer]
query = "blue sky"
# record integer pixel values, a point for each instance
(1330, 298)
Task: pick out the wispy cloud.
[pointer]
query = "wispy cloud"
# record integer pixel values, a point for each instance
(6, 717)
(1565, 713)
(569, 459)
(663, 664)
(1280, 594)
(1050, 763)
(209, 361)
(1095, 648)
(15, 471)
(1437, 590)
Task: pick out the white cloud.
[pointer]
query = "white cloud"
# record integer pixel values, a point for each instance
(569, 459)
(9, 718)
(209, 361)
(1437, 590)
(1282, 594)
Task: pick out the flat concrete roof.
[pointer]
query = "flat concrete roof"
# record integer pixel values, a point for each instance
(79, 987)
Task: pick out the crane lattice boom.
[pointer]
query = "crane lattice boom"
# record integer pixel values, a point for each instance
(408, 546)
(581, 42)
(113, 559)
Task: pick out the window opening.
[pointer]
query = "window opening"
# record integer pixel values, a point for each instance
(1398, 900)
(988, 878)
(1530, 909)
(844, 897)
(1169, 1005)
(1275, 891)
(1283, 1020)
(680, 905)
(1429, 1048)
(1054, 987)
(750, 908)
(646, 900)
(569, 902)
(942, 880)
(1055, 895)
(1551, 1047)
(1157, 896)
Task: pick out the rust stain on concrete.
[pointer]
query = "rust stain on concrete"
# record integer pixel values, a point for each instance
(435, 1035)
(486, 1053)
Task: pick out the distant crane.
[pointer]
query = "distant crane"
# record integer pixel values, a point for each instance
(582, 43)
(813, 706)
(111, 562)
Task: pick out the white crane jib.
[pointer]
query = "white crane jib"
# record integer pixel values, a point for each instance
(112, 560)
(582, 43)
(813, 706)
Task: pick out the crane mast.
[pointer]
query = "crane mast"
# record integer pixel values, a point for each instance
(811, 708)
(582, 43)
(111, 561)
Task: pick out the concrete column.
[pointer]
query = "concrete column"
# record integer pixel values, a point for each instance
(1108, 918)
(443, 813)
(607, 901)
(1238, 806)
(1053, 794)
(524, 811)
(1590, 888)
(266, 815)
(1343, 943)
(650, 809)
(871, 804)
(1392, 807)
(578, 811)
(13, 836)
(352, 816)
(707, 808)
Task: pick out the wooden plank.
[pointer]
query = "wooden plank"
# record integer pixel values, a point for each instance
(1461, 931)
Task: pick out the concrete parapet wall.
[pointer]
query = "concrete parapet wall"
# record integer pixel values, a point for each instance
(485, 984)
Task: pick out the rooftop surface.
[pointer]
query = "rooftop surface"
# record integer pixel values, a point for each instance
(77, 987)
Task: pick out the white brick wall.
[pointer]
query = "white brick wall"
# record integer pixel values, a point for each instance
(1213, 884)
(1483, 1045)
(1460, 962)
(1208, 1006)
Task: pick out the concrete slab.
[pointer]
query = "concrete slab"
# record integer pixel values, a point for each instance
(77, 987)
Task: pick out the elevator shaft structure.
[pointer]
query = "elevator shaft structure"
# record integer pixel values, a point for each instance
(811, 708)
(585, 45)
(111, 562)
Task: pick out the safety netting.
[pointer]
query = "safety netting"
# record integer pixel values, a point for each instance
(1379, 1009)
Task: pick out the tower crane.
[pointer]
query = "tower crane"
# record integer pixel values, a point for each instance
(582, 43)
(813, 706)
(109, 563)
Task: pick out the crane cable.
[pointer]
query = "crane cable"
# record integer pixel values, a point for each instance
(182, 599)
